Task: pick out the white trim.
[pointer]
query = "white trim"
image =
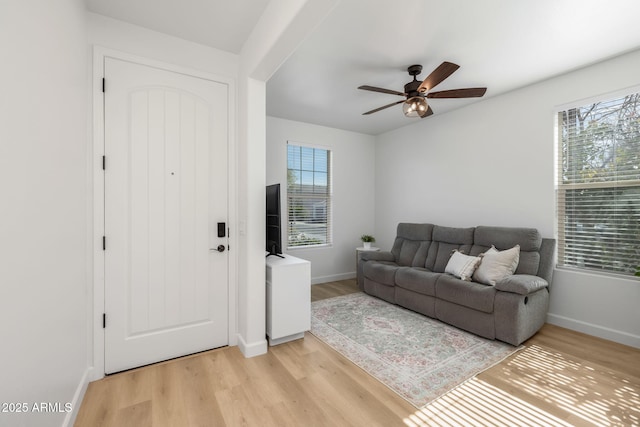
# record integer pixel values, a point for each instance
(594, 272)
(594, 330)
(95, 163)
(234, 234)
(333, 278)
(252, 349)
(78, 396)
(307, 247)
(309, 145)
(608, 96)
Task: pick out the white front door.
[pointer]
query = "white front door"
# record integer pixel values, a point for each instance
(166, 284)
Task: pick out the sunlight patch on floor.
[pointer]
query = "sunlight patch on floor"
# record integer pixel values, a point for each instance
(476, 403)
(575, 387)
(572, 390)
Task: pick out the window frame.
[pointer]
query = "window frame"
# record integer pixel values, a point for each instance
(561, 188)
(328, 197)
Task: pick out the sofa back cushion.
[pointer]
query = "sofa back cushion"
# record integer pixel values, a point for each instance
(504, 238)
(412, 244)
(444, 241)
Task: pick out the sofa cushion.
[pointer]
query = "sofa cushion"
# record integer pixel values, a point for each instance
(412, 253)
(502, 238)
(496, 265)
(529, 239)
(421, 254)
(529, 263)
(407, 252)
(523, 284)
(387, 293)
(462, 266)
(444, 241)
(383, 272)
(416, 279)
(414, 231)
(412, 243)
(468, 294)
(376, 256)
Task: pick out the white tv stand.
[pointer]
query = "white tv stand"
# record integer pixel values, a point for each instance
(288, 298)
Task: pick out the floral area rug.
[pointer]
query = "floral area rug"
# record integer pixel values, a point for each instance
(417, 357)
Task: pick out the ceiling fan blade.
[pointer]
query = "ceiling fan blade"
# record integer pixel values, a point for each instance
(383, 107)
(379, 89)
(473, 92)
(436, 77)
(426, 113)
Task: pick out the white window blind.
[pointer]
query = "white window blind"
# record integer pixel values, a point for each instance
(308, 196)
(598, 185)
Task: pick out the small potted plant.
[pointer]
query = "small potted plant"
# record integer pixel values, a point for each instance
(367, 240)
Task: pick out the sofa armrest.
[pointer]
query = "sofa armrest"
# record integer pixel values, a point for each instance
(523, 284)
(377, 256)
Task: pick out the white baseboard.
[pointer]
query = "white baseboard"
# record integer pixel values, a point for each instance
(333, 278)
(595, 330)
(70, 418)
(252, 349)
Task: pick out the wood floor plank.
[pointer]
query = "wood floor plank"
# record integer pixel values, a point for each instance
(100, 405)
(137, 415)
(136, 387)
(364, 381)
(292, 360)
(237, 409)
(167, 394)
(199, 393)
(333, 289)
(562, 378)
(339, 412)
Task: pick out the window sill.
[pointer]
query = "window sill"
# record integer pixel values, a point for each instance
(587, 271)
(323, 246)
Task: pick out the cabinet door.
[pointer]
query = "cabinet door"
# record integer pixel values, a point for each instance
(289, 298)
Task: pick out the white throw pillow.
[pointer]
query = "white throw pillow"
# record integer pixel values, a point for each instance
(462, 266)
(496, 265)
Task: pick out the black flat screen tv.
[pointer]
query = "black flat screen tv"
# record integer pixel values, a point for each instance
(274, 232)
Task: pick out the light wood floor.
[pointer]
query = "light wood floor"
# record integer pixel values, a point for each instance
(561, 378)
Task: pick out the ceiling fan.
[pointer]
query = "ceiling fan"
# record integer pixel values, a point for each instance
(416, 92)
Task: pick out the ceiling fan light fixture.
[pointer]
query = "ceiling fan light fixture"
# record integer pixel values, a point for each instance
(415, 106)
(416, 92)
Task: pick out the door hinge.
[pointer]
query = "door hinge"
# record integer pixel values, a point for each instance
(104, 320)
(104, 162)
(103, 85)
(104, 243)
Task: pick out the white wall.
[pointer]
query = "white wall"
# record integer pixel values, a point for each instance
(353, 191)
(282, 26)
(132, 39)
(44, 276)
(492, 163)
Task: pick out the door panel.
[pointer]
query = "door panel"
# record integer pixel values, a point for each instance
(166, 137)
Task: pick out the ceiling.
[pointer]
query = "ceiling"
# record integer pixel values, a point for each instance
(223, 24)
(500, 44)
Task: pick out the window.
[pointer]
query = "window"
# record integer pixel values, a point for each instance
(308, 196)
(598, 185)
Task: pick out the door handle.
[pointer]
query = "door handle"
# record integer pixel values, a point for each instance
(220, 248)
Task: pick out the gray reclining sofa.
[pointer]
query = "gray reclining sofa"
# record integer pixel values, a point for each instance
(412, 275)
